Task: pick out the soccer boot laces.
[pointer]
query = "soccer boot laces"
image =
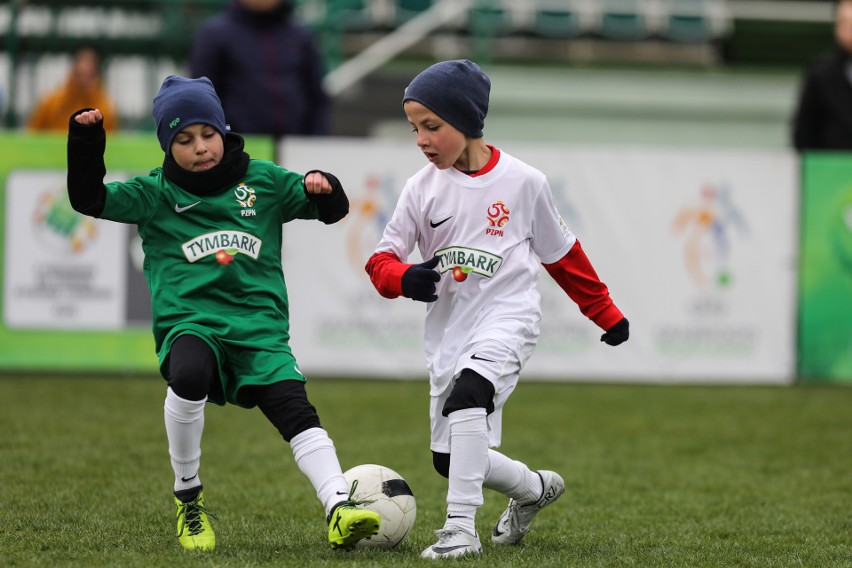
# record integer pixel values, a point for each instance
(348, 523)
(194, 531)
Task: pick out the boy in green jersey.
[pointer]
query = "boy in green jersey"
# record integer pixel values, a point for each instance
(210, 221)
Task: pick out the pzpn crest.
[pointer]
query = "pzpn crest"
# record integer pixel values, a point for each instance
(246, 197)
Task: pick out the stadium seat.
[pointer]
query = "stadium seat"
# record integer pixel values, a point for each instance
(558, 24)
(688, 22)
(623, 20)
(407, 9)
(563, 19)
(351, 15)
(492, 20)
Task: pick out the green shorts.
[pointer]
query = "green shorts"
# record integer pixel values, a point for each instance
(240, 363)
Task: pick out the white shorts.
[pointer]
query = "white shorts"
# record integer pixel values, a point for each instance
(495, 362)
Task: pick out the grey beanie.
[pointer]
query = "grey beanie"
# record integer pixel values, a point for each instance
(181, 102)
(457, 91)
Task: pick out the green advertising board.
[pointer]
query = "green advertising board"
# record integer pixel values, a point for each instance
(825, 294)
(126, 350)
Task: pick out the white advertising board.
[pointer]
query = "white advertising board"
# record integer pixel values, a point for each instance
(698, 249)
(62, 270)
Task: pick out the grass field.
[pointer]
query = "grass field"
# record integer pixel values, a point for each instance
(656, 475)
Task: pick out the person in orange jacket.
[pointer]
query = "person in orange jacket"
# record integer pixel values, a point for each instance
(83, 88)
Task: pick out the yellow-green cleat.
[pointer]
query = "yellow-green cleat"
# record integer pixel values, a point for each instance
(348, 523)
(194, 531)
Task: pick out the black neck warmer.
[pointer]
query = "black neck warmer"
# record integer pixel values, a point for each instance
(220, 177)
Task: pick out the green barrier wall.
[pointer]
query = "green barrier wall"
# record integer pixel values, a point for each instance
(129, 350)
(825, 294)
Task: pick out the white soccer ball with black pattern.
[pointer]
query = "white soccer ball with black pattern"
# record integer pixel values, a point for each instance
(387, 493)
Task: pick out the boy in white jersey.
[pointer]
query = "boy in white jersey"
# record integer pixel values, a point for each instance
(486, 221)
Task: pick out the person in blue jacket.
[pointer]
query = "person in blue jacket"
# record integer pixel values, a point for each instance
(266, 68)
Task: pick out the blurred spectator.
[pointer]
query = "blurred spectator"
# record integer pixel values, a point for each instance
(82, 88)
(823, 119)
(266, 69)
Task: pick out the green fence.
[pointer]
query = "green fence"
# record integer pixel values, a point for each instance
(825, 306)
(825, 294)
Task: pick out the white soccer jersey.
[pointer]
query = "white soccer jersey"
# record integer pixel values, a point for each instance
(491, 233)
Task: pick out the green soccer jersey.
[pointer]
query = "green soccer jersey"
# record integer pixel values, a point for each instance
(236, 301)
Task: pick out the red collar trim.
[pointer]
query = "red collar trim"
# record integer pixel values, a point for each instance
(492, 162)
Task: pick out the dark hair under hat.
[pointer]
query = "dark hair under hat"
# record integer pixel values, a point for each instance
(457, 91)
(181, 102)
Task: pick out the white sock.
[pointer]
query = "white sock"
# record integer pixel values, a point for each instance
(512, 478)
(184, 426)
(468, 465)
(317, 459)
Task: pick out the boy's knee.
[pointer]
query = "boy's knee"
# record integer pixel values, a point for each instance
(192, 367)
(471, 390)
(441, 462)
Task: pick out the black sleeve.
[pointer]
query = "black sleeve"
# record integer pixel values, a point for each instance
(807, 122)
(86, 169)
(332, 206)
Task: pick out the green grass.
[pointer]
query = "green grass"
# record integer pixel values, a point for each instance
(656, 475)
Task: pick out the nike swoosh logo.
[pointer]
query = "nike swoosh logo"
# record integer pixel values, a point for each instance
(444, 549)
(179, 209)
(455, 516)
(475, 357)
(435, 225)
(185, 479)
(341, 493)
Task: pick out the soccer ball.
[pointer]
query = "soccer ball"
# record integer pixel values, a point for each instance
(388, 494)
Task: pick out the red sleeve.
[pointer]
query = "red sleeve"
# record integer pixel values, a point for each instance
(386, 270)
(575, 274)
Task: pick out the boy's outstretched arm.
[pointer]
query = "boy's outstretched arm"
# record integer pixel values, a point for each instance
(574, 274)
(327, 193)
(86, 169)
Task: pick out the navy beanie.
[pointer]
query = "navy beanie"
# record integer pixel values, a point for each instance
(181, 102)
(457, 91)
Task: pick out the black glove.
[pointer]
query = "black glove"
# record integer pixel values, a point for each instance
(332, 207)
(419, 281)
(617, 334)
